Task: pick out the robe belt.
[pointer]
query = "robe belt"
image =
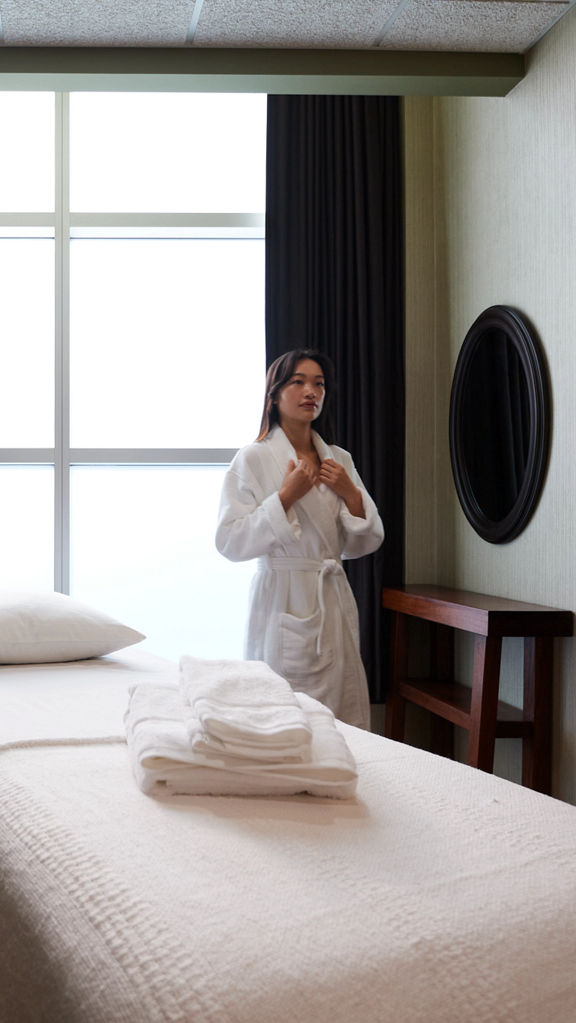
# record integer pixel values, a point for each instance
(324, 567)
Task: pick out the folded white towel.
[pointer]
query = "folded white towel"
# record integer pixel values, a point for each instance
(242, 708)
(165, 764)
(206, 744)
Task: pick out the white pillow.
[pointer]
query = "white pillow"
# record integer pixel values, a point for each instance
(37, 627)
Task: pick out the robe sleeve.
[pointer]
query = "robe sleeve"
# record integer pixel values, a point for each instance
(361, 536)
(249, 524)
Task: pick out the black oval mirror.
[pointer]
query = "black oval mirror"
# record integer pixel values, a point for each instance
(499, 424)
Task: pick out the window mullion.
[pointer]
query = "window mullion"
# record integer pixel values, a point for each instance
(62, 350)
(151, 456)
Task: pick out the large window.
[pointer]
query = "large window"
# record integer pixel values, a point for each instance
(131, 350)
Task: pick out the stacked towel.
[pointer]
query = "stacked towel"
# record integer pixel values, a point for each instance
(165, 763)
(242, 708)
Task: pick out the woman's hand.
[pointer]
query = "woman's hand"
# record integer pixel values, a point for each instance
(335, 476)
(299, 479)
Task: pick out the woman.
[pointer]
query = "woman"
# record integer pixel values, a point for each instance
(298, 505)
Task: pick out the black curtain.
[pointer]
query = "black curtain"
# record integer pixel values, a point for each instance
(334, 281)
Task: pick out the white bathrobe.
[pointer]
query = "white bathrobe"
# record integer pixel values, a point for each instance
(303, 619)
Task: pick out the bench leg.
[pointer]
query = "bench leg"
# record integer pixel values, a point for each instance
(395, 704)
(484, 704)
(442, 657)
(538, 690)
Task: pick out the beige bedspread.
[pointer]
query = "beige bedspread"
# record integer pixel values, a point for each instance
(438, 894)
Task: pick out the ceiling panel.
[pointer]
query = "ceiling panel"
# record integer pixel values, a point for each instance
(95, 22)
(505, 26)
(294, 23)
(482, 25)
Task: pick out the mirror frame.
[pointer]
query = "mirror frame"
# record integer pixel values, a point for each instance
(522, 336)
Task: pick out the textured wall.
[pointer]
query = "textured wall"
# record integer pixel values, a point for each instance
(499, 181)
(421, 347)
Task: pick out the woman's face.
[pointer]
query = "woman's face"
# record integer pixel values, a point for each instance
(302, 397)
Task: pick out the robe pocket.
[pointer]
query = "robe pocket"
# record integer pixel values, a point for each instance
(298, 645)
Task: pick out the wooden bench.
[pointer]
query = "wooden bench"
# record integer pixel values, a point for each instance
(477, 708)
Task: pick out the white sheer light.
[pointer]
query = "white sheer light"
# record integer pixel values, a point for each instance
(167, 152)
(27, 342)
(27, 526)
(143, 550)
(168, 349)
(27, 164)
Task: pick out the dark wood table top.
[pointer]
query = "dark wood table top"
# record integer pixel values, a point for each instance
(480, 613)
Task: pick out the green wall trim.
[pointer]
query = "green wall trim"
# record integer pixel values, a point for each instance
(352, 72)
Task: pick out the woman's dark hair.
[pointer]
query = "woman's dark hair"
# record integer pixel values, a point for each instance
(279, 373)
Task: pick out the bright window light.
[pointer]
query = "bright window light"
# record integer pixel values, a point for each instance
(133, 319)
(27, 533)
(143, 550)
(167, 342)
(27, 164)
(27, 342)
(167, 152)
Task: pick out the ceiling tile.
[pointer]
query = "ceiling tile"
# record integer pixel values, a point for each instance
(302, 24)
(475, 25)
(95, 23)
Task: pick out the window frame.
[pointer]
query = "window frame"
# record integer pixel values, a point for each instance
(64, 223)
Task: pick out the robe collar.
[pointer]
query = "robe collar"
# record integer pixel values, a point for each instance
(283, 450)
(314, 502)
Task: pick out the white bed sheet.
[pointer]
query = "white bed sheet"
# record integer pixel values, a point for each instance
(438, 894)
(76, 699)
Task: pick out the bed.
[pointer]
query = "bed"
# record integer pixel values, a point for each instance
(437, 893)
